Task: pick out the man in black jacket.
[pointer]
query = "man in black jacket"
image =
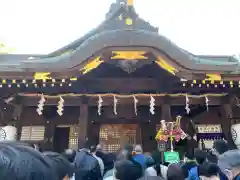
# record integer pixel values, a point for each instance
(87, 167)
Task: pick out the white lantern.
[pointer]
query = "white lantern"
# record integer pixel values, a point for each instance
(235, 130)
(8, 133)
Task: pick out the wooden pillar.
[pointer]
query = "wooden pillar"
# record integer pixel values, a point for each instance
(139, 134)
(166, 112)
(226, 123)
(48, 135)
(93, 132)
(148, 131)
(17, 117)
(83, 125)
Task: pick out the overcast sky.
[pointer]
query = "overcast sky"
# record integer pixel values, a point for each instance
(199, 26)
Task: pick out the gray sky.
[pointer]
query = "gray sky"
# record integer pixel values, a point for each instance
(199, 26)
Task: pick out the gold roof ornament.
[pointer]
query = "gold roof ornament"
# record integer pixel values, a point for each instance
(42, 75)
(166, 66)
(130, 2)
(93, 64)
(213, 77)
(129, 55)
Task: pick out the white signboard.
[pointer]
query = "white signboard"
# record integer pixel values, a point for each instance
(209, 128)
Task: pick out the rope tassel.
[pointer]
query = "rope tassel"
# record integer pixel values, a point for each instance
(41, 105)
(188, 110)
(115, 101)
(100, 101)
(135, 100)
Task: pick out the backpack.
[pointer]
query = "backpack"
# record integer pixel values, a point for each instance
(87, 166)
(193, 174)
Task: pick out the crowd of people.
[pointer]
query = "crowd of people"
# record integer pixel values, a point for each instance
(19, 161)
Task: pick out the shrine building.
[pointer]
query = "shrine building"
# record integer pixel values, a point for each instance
(114, 85)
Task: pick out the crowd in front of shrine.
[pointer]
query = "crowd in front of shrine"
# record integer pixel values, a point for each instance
(20, 161)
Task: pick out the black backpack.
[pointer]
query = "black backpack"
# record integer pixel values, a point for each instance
(87, 166)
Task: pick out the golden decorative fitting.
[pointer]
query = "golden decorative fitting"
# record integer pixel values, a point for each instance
(129, 55)
(163, 64)
(128, 21)
(130, 2)
(73, 79)
(213, 77)
(42, 75)
(194, 81)
(93, 64)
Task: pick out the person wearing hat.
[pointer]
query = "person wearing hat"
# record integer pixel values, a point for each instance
(229, 164)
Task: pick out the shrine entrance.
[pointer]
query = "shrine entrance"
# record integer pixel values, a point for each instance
(115, 136)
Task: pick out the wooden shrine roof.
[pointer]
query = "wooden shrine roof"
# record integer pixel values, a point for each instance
(123, 39)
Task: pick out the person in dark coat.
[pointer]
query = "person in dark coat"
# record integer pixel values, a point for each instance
(62, 166)
(190, 162)
(20, 162)
(87, 166)
(175, 172)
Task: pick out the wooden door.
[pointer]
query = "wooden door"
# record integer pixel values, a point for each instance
(61, 139)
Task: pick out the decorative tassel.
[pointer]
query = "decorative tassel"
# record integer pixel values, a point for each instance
(60, 106)
(163, 125)
(206, 102)
(115, 101)
(135, 104)
(100, 101)
(152, 105)
(8, 100)
(41, 105)
(237, 101)
(187, 105)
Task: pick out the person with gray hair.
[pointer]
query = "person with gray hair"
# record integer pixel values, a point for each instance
(139, 157)
(229, 164)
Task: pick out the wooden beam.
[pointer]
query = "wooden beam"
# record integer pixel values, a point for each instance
(108, 101)
(123, 85)
(96, 85)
